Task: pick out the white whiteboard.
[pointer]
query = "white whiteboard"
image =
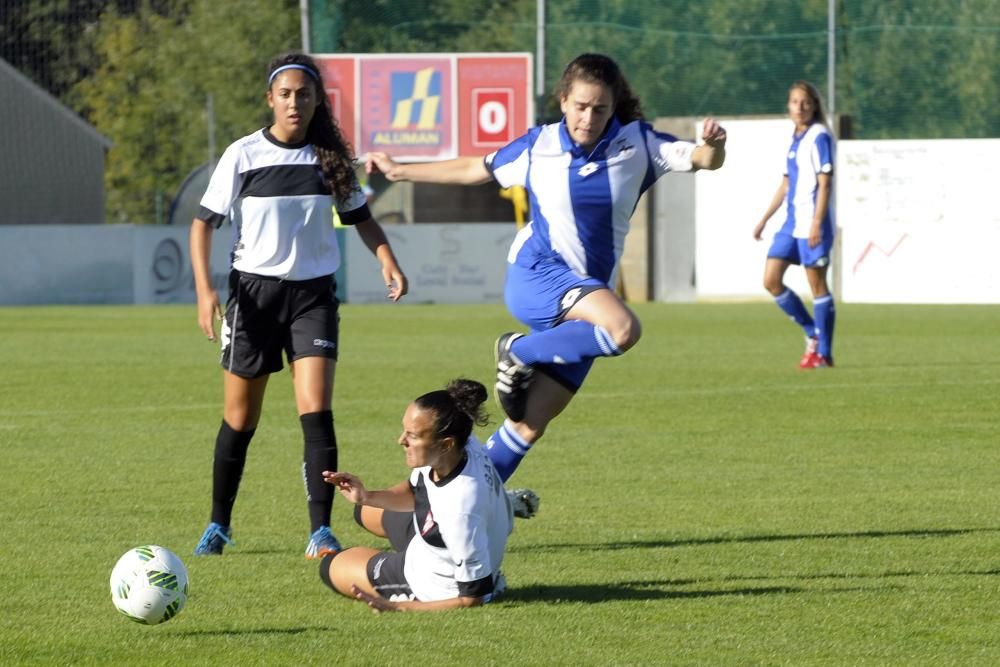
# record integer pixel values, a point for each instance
(919, 221)
(729, 203)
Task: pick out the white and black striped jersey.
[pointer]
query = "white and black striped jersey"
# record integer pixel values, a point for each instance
(280, 206)
(462, 524)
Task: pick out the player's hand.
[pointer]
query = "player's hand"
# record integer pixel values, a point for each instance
(379, 161)
(349, 486)
(815, 236)
(758, 231)
(712, 133)
(377, 603)
(395, 282)
(209, 311)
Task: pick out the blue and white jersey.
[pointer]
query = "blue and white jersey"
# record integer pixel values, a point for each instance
(281, 208)
(810, 154)
(581, 203)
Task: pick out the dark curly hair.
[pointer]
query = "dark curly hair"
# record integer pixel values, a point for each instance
(456, 408)
(334, 153)
(598, 68)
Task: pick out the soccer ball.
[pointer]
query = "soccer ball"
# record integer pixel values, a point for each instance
(149, 584)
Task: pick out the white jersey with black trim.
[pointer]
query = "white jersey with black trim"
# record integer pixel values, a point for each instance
(462, 524)
(281, 208)
(810, 155)
(581, 202)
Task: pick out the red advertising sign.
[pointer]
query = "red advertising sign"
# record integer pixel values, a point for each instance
(495, 106)
(429, 106)
(339, 77)
(407, 107)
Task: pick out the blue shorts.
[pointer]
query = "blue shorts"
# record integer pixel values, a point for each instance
(797, 251)
(540, 297)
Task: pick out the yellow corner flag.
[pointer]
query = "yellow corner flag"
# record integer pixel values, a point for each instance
(518, 196)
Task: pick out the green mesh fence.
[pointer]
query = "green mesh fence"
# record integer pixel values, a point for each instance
(902, 69)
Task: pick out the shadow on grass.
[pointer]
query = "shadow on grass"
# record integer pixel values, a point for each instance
(646, 590)
(745, 539)
(236, 632)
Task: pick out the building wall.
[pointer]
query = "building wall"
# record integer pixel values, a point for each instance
(51, 161)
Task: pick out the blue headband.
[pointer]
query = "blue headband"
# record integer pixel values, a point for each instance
(305, 68)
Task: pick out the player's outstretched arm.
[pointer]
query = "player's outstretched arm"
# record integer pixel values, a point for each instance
(398, 498)
(458, 171)
(712, 153)
(379, 604)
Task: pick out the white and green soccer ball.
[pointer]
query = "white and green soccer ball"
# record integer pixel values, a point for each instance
(149, 584)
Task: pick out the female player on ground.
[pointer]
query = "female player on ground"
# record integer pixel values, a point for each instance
(448, 523)
(279, 186)
(584, 176)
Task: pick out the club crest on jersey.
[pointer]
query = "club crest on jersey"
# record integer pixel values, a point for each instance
(428, 523)
(587, 169)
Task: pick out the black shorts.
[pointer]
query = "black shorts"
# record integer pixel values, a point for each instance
(266, 315)
(385, 569)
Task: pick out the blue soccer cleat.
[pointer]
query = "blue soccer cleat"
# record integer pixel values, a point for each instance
(322, 543)
(214, 538)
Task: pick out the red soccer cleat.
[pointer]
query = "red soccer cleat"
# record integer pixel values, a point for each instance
(819, 361)
(807, 357)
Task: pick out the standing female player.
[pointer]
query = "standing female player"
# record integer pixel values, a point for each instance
(448, 523)
(584, 176)
(279, 186)
(806, 238)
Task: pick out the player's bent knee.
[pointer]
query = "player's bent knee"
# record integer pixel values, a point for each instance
(627, 334)
(324, 570)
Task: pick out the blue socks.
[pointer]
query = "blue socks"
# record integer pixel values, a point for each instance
(568, 343)
(826, 315)
(792, 305)
(506, 449)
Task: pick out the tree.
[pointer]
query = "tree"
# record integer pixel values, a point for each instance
(157, 67)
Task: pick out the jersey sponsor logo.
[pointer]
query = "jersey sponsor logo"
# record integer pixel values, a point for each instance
(587, 169)
(570, 298)
(325, 344)
(624, 149)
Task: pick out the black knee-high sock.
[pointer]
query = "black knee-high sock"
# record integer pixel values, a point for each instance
(319, 454)
(227, 471)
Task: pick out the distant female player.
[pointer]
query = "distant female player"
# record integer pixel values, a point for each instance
(448, 523)
(806, 237)
(279, 186)
(584, 176)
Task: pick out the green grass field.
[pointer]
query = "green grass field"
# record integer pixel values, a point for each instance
(703, 501)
